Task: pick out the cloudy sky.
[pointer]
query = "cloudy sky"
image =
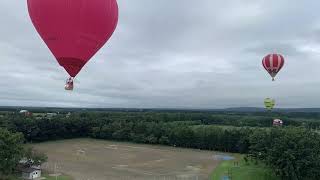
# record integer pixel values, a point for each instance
(174, 54)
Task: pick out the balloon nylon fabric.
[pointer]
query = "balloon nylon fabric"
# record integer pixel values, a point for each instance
(273, 63)
(74, 30)
(269, 103)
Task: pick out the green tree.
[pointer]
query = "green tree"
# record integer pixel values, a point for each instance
(293, 153)
(11, 151)
(33, 157)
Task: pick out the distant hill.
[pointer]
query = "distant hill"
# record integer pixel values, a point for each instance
(235, 109)
(245, 109)
(254, 109)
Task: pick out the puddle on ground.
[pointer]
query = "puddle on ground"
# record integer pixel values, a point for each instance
(223, 157)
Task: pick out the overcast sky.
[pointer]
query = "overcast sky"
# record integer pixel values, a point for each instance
(173, 54)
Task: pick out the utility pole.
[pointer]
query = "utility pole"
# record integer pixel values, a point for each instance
(55, 171)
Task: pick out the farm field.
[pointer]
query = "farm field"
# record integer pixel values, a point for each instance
(60, 177)
(85, 159)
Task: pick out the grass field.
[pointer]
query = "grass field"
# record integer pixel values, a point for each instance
(62, 177)
(243, 171)
(85, 159)
(45, 175)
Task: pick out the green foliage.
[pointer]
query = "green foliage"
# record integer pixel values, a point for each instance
(9, 177)
(33, 157)
(293, 153)
(11, 151)
(243, 170)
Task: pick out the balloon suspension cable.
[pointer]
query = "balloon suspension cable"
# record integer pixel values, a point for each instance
(69, 84)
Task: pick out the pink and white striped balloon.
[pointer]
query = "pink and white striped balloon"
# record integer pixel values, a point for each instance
(273, 64)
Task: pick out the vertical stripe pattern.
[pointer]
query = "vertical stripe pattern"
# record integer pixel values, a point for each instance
(273, 63)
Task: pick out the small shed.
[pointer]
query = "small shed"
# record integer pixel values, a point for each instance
(31, 173)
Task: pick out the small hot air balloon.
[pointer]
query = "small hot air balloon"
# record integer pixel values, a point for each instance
(269, 103)
(74, 30)
(273, 64)
(277, 122)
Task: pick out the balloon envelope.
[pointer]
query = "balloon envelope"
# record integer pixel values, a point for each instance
(74, 30)
(277, 122)
(273, 63)
(269, 103)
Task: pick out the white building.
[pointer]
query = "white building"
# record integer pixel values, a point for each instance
(23, 111)
(31, 173)
(51, 115)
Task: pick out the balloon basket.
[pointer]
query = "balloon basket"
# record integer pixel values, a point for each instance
(69, 84)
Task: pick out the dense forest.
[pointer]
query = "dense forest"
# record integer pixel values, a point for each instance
(292, 151)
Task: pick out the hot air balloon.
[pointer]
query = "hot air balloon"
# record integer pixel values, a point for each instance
(269, 103)
(277, 122)
(74, 30)
(273, 64)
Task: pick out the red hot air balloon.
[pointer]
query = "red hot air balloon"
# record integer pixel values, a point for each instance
(273, 64)
(74, 30)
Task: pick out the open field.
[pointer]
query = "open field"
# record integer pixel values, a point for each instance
(61, 177)
(86, 159)
(242, 170)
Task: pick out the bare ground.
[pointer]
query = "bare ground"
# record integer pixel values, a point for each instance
(89, 159)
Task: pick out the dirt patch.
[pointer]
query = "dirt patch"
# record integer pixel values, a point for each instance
(100, 160)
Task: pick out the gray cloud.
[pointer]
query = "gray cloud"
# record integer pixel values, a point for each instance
(194, 54)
